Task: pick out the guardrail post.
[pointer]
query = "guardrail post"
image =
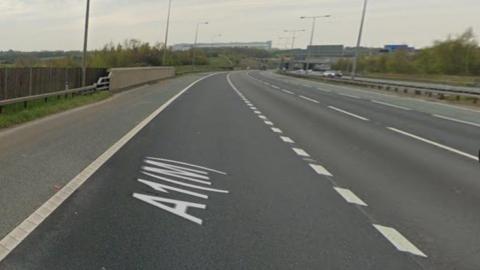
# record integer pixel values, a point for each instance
(30, 83)
(5, 81)
(66, 79)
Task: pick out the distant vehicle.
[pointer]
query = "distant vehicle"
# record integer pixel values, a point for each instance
(333, 74)
(300, 71)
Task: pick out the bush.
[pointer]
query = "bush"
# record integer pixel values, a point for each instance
(453, 56)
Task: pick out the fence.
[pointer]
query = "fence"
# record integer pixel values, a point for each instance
(23, 82)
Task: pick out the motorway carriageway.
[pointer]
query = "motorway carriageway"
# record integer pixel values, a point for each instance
(252, 171)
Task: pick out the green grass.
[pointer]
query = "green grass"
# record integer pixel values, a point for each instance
(443, 79)
(182, 70)
(15, 114)
(221, 61)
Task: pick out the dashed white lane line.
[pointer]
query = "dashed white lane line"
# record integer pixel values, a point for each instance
(300, 152)
(257, 112)
(348, 95)
(391, 105)
(456, 120)
(277, 130)
(398, 240)
(287, 139)
(288, 92)
(275, 87)
(263, 117)
(15, 237)
(349, 196)
(320, 169)
(269, 123)
(453, 150)
(309, 99)
(348, 113)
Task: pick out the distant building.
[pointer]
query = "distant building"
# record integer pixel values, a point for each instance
(392, 48)
(365, 51)
(323, 57)
(257, 45)
(319, 57)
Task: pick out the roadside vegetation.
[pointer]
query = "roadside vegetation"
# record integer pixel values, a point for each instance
(17, 114)
(454, 60)
(135, 53)
(130, 53)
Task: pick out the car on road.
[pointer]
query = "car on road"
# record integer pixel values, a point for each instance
(333, 74)
(299, 72)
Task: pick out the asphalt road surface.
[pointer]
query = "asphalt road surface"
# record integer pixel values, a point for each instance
(250, 170)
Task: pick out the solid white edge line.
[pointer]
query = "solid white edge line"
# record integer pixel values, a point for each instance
(300, 152)
(456, 120)
(319, 169)
(390, 105)
(288, 92)
(348, 113)
(17, 235)
(398, 240)
(349, 196)
(309, 99)
(453, 150)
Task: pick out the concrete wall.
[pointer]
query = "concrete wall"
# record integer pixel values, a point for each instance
(124, 78)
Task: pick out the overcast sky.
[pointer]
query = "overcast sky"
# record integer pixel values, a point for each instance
(58, 24)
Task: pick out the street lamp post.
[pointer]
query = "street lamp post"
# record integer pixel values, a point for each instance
(359, 40)
(195, 42)
(314, 22)
(294, 35)
(85, 43)
(166, 34)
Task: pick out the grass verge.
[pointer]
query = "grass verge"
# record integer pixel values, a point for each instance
(471, 81)
(182, 70)
(15, 114)
(452, 98)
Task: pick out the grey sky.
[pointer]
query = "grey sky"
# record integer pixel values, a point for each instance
(58, 24)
